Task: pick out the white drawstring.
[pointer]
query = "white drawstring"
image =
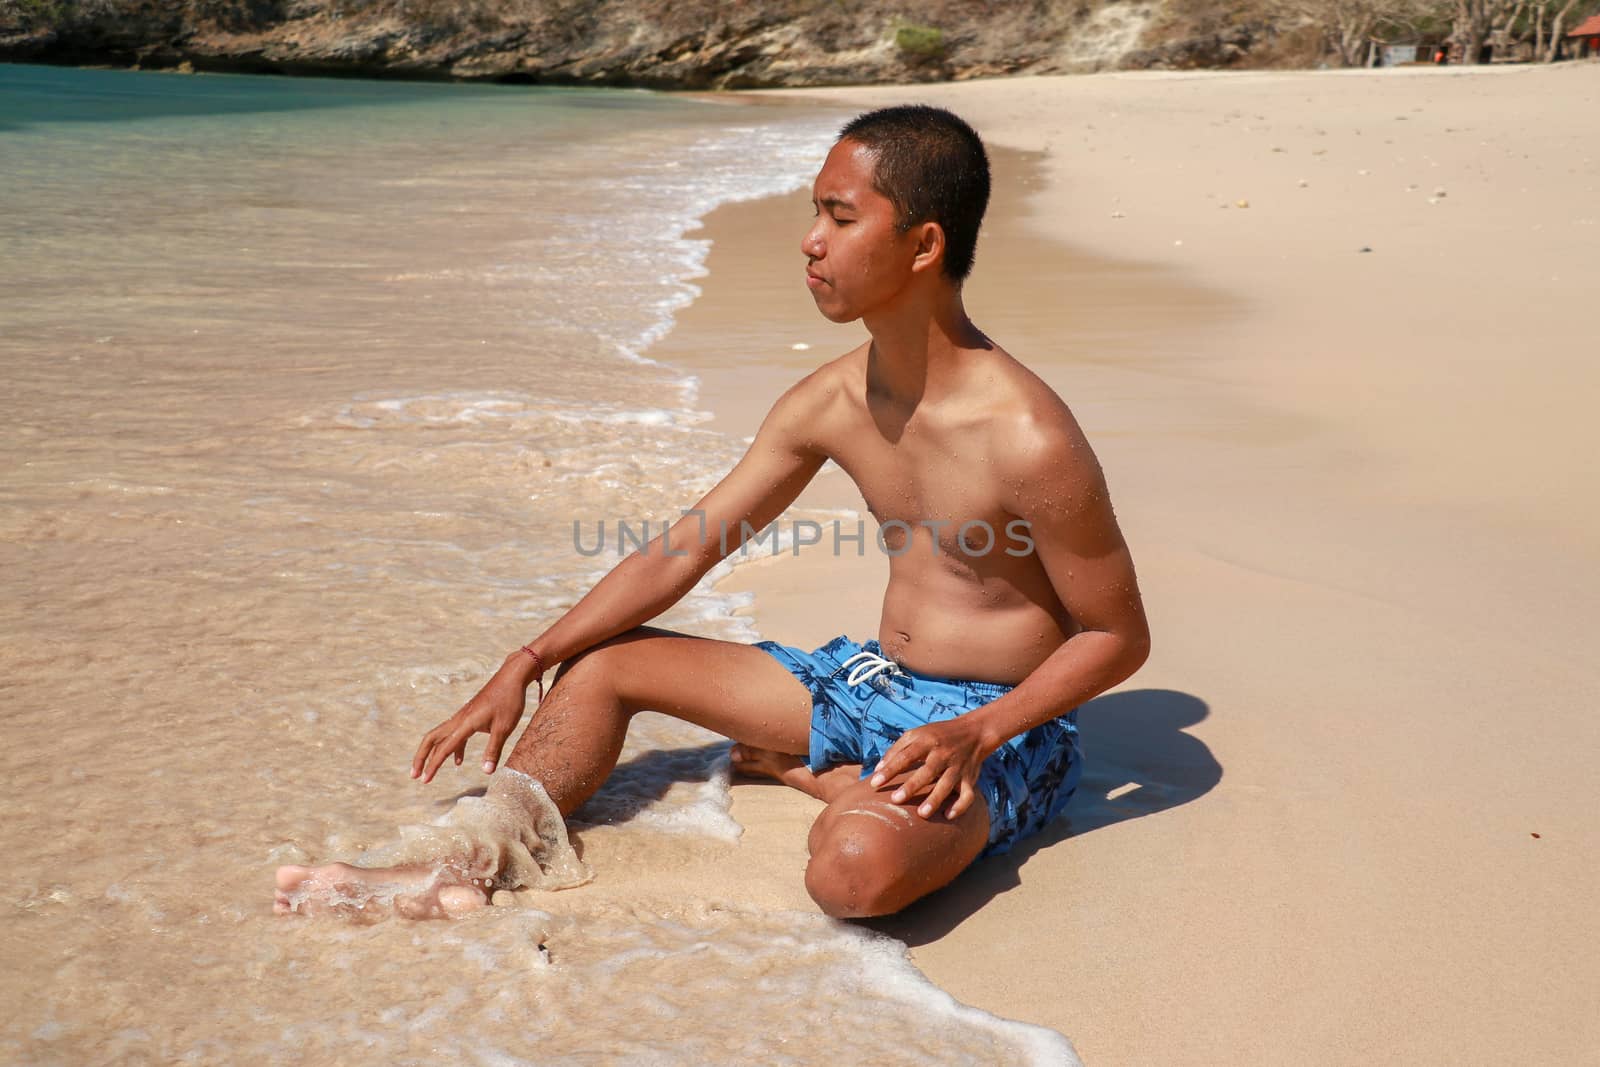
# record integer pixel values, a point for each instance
(873, 666)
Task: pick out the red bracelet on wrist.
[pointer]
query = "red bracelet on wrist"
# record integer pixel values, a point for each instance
(538, 669)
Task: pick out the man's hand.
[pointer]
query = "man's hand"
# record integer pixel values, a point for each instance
(495, 710)
(947, 756)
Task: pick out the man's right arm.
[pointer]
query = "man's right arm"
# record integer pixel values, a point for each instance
(781, 461)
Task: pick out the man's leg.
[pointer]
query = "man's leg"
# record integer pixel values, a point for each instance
(791, 770)
(576, 734)
(871, 856)
(735, 690)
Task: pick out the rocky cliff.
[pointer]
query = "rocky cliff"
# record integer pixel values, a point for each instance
(688, 44)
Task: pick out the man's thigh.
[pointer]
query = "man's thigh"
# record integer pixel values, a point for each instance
(871, 856)
(736, 690)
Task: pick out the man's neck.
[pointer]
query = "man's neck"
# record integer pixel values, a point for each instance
(917, 345)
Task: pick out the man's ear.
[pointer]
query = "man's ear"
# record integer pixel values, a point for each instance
(930, 247)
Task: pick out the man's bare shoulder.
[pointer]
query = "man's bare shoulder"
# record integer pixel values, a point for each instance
(1036, 443)
(840, 375)
(825, 392)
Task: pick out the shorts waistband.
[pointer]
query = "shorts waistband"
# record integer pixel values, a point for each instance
(840, 647)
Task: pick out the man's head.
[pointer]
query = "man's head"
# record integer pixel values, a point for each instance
(933, 168)
(900, 197)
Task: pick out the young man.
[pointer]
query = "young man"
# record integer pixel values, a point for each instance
(1011, 598)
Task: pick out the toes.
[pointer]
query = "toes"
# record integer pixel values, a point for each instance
(290, 877)
(413, 908)
(352, 889)
(459, 899)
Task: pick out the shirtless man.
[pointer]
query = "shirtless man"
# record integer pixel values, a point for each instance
(1011, 599)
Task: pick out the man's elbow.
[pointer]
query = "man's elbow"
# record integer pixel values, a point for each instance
(1135, 649)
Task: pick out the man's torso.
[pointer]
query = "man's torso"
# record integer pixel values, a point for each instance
(981, 608)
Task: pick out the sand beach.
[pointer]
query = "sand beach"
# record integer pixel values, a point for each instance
(293, 446)
(1333, 337)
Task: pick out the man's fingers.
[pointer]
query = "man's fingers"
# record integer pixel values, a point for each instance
(918, 783)
(902, 755)
(963, 802)
(430, 741)
(887, 767)
(941, 789)
(443, 750)
(491, 752)
(424, 750)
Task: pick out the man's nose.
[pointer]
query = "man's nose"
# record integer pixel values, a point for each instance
(811, 244)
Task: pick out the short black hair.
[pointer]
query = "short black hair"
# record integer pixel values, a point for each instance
(932, 166)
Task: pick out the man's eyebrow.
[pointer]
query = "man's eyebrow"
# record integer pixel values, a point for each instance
(834, 203)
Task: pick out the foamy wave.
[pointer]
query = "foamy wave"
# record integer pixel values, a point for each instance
(885, 965)
(674, 191)
(473, 408)
(512, 837)
(672, 777)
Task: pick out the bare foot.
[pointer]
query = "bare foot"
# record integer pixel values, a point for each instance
(369, 894)
(792, 771)
(753, 762)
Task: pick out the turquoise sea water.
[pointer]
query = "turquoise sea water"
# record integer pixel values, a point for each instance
(305, 382)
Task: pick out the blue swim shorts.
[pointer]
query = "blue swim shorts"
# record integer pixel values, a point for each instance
(861, 703)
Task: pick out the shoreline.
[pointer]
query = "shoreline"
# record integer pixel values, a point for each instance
(1323, 791)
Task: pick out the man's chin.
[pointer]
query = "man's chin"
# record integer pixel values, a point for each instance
(835, 313)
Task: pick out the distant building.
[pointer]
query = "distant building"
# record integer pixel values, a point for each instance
(1585, 37)
(1424, 51)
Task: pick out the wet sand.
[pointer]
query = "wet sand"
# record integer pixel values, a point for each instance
(1332, 337)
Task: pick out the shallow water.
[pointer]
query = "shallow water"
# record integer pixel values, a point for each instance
(306, 383)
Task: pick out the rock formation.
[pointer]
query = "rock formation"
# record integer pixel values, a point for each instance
(686, 44)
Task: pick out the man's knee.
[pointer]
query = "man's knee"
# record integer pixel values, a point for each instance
(599, 662)
(854, 870)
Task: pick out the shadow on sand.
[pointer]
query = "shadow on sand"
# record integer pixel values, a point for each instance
(638, 783)
(635, 784)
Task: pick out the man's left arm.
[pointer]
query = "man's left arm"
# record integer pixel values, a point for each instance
(1053, 482)
(1060, 490)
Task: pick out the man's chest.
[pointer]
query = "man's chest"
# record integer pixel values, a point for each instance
(925, 480)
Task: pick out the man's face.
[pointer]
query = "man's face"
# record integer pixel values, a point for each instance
(856, 261)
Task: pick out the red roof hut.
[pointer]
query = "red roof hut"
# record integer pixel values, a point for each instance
(1585, 37)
